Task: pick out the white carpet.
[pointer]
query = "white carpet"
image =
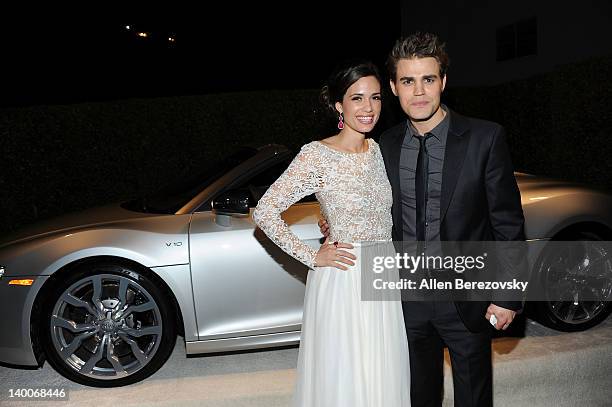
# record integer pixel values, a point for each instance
(545, 368)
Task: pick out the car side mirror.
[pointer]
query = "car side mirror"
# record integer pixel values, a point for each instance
(234, 202)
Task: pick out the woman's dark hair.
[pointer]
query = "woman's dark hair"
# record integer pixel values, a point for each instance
(342, 78)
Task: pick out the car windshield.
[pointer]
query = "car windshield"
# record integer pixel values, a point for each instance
(175, 195)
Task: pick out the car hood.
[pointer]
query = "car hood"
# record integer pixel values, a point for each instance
(535, 187)
(77, 220)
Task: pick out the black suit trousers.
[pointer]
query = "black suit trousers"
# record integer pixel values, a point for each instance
(430, 326)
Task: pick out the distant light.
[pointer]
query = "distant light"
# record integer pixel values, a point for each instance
(142, 34)
(171, 39)
(27, 281)
(128, 27)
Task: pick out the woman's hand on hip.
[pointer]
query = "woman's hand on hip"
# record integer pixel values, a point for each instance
(332, 255)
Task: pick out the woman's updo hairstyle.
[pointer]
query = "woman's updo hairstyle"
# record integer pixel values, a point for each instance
(342, 78)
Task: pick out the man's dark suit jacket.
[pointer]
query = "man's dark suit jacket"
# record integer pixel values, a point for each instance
(480, 198)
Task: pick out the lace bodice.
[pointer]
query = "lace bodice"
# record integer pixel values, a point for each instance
(352, 188)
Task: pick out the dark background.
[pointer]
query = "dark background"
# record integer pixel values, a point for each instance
(83, 53)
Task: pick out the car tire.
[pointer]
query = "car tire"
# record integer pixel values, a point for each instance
(107, 325)
(569, 316)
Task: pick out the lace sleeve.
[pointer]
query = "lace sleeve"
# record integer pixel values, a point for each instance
(303, 177)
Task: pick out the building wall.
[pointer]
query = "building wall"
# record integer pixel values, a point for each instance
(567, 32)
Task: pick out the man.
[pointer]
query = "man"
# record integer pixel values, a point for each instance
(467, 192)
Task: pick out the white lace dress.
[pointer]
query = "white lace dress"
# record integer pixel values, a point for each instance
(352, 353)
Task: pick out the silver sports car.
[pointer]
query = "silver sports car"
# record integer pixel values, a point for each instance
(103, 294)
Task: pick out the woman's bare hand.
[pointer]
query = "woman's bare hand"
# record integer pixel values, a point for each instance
(324, 227)
(332, 255)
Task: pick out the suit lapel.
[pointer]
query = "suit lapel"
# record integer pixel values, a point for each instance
(394, 151)
(454, 157)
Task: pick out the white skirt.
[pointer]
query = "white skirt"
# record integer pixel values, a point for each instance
(352, 353)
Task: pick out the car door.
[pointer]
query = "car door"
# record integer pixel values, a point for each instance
(243, 283)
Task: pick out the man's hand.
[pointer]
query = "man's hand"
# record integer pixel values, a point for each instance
(324, 227)
(504, 316)
(330, 255)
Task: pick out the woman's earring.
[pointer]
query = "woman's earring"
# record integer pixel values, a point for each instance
(340, 122)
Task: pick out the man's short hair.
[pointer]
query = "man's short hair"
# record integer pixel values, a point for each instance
(418, 45)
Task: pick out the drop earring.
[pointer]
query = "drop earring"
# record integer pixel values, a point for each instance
(340, 122)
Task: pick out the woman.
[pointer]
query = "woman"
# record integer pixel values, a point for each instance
(352, 352)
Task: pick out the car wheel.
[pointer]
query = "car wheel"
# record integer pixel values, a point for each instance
(107, 325)
(578, 281)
